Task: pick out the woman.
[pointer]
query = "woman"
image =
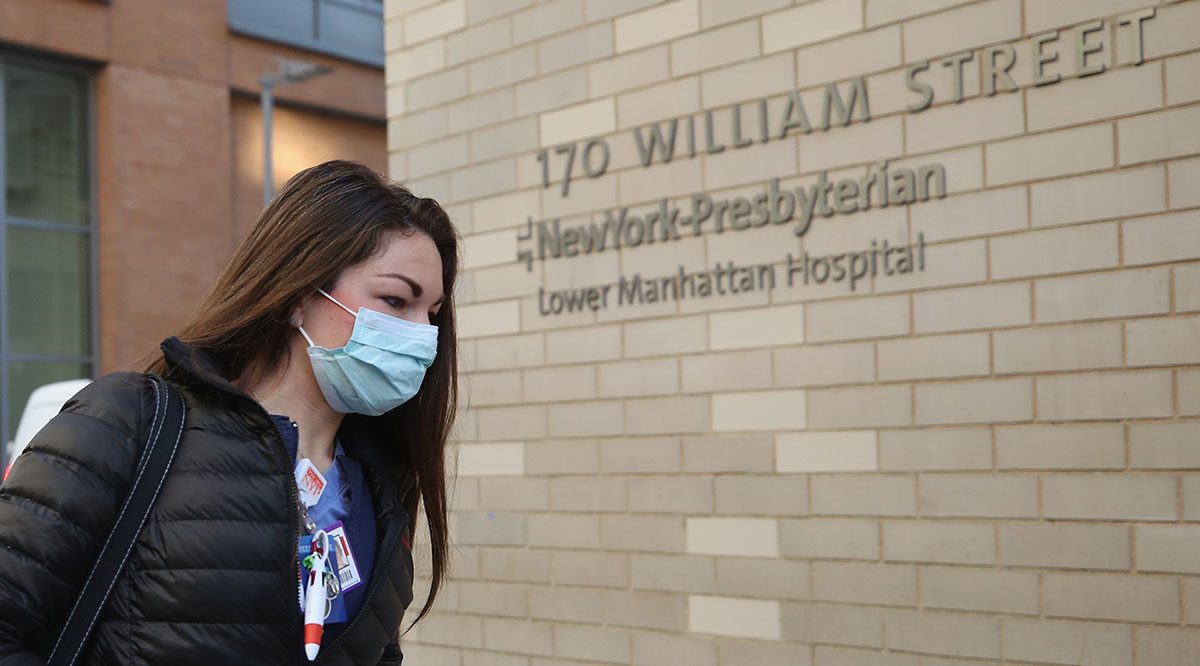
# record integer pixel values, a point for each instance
(339, 258)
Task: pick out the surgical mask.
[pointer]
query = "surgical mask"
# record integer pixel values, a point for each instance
(381, 366)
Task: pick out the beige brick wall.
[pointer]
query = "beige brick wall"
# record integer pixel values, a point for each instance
(990, 460)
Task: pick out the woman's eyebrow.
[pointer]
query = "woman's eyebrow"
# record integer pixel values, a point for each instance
(416, 288)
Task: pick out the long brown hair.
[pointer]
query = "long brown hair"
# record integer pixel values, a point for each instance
(325, 219)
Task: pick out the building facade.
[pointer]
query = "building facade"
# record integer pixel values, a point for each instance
(816, 332)
(132, 160)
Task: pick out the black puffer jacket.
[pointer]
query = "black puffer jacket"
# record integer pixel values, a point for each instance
(212, 578)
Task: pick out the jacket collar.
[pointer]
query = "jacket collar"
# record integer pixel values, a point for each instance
(195, 365)
(359, 434)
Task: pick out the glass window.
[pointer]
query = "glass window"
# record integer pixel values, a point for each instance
(44, 130)
(46, 290)
(350, 29)
(47, 303)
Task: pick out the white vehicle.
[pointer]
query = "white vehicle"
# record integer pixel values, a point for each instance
(44, 403)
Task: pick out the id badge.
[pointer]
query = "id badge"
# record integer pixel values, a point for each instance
(348, 573)
(309, 481)
(337, 607)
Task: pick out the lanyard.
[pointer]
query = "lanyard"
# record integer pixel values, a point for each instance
(323, 583)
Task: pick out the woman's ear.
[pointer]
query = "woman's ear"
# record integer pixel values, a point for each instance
(297, 317)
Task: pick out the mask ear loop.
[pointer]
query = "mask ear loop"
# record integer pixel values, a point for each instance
(306, 338)
(339, 303)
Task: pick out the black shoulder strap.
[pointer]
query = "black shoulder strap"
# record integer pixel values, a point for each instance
(162, 440)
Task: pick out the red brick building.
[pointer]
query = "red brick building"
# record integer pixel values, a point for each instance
(132, 160)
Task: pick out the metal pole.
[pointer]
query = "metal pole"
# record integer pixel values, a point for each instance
(268, 104)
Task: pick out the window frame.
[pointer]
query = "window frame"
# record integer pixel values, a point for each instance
(86, 76)
(316, 41)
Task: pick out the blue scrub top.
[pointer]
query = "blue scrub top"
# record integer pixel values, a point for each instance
(346, 498)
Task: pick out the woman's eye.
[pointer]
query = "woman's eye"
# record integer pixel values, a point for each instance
(393, 301)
